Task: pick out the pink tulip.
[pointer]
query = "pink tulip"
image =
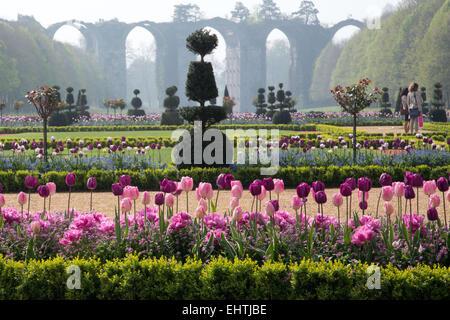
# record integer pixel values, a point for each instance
(263, 193)
(187, 184)
(236, 191)
(126, 205)
(169, 200)
(429, 187)
(387, 193)
(202, 203)
(146, 199)
(237, 213)
(205, 190)
(199, 212)
(279, 186)
(52, 188)
(435, 201)
(296, 203)
(360, 195)
(130, 192)
(269, 209)
(388, 208)
(197, 193)
(237, 183)
(234, 202)
(399, 188)
(337, 200)
(22, 198)
(35, 227)
(2, 200)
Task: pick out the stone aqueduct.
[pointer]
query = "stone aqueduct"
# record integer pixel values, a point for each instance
(245, 53)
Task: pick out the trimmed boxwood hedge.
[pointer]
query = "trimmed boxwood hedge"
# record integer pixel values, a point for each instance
(163, 278)
(332, 176)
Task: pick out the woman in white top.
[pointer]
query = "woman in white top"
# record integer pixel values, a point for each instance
(414, 101)
(403, 95)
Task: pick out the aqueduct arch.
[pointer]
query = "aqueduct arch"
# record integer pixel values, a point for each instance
(245, 54)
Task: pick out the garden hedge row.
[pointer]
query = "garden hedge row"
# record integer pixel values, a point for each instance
(332, 176)
(155, 279)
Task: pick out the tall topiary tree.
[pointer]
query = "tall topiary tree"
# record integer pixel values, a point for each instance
(201, 87)
(200, 83)
(69, 98)
(385, 104)
(136, 102)
(281, 116)
(82, 104)
(437, 113)
(261, 102)
(171, 115)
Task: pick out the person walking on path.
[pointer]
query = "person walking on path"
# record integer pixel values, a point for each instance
(414, 101)
(404, 106)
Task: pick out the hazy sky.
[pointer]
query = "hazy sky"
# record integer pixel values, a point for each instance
(51, 11)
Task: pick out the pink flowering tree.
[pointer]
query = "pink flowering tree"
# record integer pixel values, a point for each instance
(354, 99)
(45, 100)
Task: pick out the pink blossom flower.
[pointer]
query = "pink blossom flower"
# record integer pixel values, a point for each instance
(399, 189)
(205, 190)
(200, 212)
(388, 208)
(237, 213)
(126, 205)
(435, 201)
(429, 187)
(169, 200)
(236, 191)
(360, 195)
(216, 234)
(337, 200)
(2, 200)
(362, 235)
(279, 186)
(52, 188)
(179, 221)
(130, 192)
(296, 202)
(187, 184)
(234, 202)
(387, 193)
(22, 198)
(215, 221)
(146, 199)
(263, 193)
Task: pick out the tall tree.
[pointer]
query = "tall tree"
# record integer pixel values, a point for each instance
(269, 10)
(186, 13)
(240, 12)
(307, 13)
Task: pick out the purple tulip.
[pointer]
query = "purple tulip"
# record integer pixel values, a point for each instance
(318, 186)
(417, 180)
(432, 214)
(321, 197)
(31, 182)
(153, 146)
(351, 182)
(409, 192)
(92, 183)
(275, 204)
(385, 180)
(407, 178)
(117, 189)
(363, 205)
(43, 191)
(255, 189)
(124, 139)
(158, 146)
(124, 180)
(345, 190)
(71, 179)
(303, 190)
(364, 184)
(159, 199)
(441, 183)
(167, 186)
(220, 181)
(268, 184)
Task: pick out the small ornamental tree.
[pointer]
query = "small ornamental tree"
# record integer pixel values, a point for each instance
(354, 99)
(385, 104)
(437, 113)
(281, 116)
(228, 102)
(2, 106)
(171, 103)
(69, 98)
(45, 100)
(261, 102)
(136, 103)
